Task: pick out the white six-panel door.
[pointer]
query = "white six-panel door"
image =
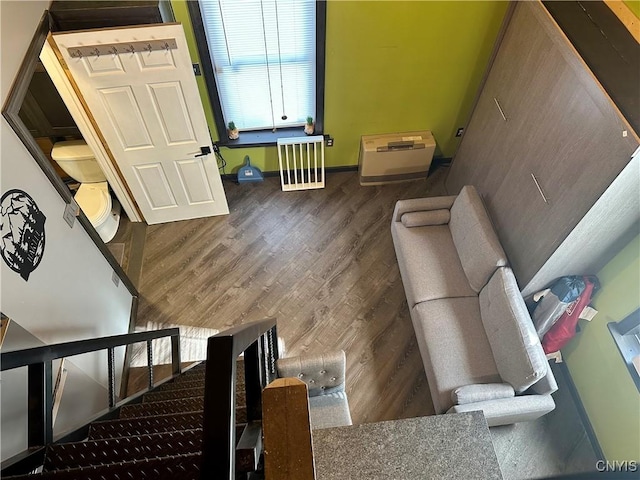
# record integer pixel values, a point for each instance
(147, 106)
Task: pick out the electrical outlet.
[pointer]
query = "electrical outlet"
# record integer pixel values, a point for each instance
(459, 132)
(329, 141)
(196, 69)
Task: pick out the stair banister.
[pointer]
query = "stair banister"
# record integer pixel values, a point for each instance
(39, 361)
(258, 341)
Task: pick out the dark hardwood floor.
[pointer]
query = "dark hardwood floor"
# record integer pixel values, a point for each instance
(320, 261)
(127, 246)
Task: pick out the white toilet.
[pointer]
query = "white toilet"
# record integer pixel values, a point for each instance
(77, 160)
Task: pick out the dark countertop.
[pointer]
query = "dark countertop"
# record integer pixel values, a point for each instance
(443, 446)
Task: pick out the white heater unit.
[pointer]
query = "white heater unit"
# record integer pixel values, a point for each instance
(395, 157)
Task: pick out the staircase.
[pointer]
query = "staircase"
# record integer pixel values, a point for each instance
(160, 437)
(164, 433)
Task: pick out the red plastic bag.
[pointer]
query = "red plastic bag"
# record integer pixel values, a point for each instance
(565, 328)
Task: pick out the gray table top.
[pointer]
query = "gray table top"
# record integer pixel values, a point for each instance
(443, 446)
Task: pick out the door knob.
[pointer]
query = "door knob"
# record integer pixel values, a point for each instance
(204, 151)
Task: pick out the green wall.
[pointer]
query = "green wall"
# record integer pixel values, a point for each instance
(605, 386)
(390, 66)
(634, 6)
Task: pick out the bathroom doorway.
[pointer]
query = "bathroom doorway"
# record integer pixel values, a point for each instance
(54, 130)
(174, 175)
(39, 117)
(52, 126)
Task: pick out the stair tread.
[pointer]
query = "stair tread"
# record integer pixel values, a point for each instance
(179, 405)
(199, 374)
(156, 396)
(165, 387)
(190, 377)
(158, 438)
(142, 425)
(120, 449)
(184, 467)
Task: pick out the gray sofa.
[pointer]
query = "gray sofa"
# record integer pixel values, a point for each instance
(478, 343)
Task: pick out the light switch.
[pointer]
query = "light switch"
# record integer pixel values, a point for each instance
(71, 211)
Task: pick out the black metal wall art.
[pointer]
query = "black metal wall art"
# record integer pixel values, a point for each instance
(21, 232)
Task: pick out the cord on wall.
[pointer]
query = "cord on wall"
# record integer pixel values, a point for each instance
(222, 163)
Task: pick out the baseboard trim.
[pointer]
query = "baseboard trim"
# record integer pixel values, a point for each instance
(438, 162)
(435, 163)
(582, 413)
(276, 173)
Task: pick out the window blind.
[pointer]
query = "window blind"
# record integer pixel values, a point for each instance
(263, 56)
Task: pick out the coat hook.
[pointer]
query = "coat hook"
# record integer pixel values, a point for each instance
(96, 52)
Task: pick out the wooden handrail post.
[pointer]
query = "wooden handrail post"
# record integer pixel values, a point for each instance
(288, 448)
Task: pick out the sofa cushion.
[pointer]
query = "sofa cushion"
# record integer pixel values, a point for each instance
(327, 411)
(323, 373)
(429, 263)
(426, 218)
(421, 204)
(475, 240)
(454, 348)
(480, 392)
(505, 411)
(515, 345)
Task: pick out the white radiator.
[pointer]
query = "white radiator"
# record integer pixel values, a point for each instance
(301, 163)
(395, 157)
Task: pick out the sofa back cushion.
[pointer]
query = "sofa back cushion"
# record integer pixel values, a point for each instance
(477, 244)
(515, 345)
(426, 218)
(323, 373)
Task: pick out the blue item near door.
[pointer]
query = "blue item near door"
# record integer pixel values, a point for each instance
(247, 173)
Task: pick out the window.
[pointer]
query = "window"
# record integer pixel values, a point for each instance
(626, 334)
(263, 62)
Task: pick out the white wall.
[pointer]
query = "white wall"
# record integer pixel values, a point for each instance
(70, 295)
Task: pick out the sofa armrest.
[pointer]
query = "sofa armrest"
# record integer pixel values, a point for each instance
(481, 392)
(421, 204)
(323, 373)
(506, 411)
(546, 385)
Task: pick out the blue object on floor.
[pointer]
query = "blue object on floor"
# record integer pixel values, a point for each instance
(247, 173)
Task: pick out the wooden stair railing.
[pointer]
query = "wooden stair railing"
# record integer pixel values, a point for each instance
(288, 449)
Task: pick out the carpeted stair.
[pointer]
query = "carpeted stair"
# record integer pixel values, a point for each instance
(159, 438)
